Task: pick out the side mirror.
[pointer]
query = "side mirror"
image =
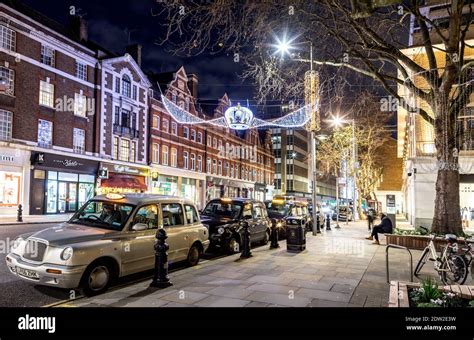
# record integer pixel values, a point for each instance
(139, 227)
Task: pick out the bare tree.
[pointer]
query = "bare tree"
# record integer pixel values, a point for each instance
(372, 46)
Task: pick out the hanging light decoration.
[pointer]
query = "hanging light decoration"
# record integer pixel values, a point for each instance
(240, 118)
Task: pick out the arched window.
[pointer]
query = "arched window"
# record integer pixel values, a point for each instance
(126, 86)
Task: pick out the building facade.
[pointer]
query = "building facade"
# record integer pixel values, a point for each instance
(416, 137)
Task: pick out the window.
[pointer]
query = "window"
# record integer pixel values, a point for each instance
(191, 214)
(174, 128)
(174, 157)
(200, 163)
(133, 154)
(193, 135)
(236, 171)
(214, 167)
(166, 126)
(47, 55)
(220, 168)
(115, 149)
(289, 185)
(45, 133)
(226, 169)
(81, 70)
(209, 141)
(124, 150)
(80, 104)
(173, 97)
(220, 144)
(46, 95)
(79, 140)
(125, 118)
(257, 211)
(156, 122)
(5, 125)
(185, 132)
(134, 92)
(199, 138)
(126, 86)
(186, 105)
(185, 159)
(117, 85)
(7, 81)
(247, 210)
(7, 38)
(208, 166)
(232, 170)
(117, 115)
(193, 161)
(172, 214)
(155, 153)
(147, 215)
(214, 142)
(164, 155)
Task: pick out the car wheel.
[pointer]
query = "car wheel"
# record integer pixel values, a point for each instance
(96, 279)
(266, 238)
(233, 245)
(194, 255)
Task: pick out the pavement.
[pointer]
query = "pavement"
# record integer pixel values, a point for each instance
(34, 219)
(339, 268)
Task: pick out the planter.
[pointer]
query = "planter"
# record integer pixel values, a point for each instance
(399, 296)
(418, 242)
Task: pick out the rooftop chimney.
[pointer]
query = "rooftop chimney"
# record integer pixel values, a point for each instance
(78, 27)
(135, 51)
(193, 84)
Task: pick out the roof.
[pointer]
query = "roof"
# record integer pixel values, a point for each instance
(160, 82)
(235, 199)
(138, 199)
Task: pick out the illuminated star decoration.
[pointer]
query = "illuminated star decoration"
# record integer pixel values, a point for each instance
(239, 118)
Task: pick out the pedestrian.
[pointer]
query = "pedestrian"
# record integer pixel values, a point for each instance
(385, 227)
(370, 218)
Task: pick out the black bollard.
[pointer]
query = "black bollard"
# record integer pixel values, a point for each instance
(274, 235)
(19, 217)
(318, 226)
(160, 278)
(328, 223)
(246, 253)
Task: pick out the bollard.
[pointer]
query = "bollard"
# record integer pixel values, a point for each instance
(160, 277)
(318, 226)
(328, 223)
(274, 235)
(246, 253)
(19, 217)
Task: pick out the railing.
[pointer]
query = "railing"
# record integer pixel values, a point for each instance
(387, 261)
(126, 131)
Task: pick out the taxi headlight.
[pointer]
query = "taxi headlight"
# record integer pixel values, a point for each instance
(279, 225)
(66, 254)
(220, 231)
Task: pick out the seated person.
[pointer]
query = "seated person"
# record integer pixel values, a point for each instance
(385, 227)
(110, 215)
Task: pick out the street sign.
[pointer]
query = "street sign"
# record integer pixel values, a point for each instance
(391, 206)
(103, 173)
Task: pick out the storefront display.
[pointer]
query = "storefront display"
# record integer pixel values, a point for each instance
(122, 179)
(188, 189)
(165, 185)
(14, 165)
(10, 188)
(466, 201)
(61, 184)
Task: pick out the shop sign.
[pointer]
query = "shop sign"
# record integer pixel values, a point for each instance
(125, 169)
(103, 173)
(63, 162)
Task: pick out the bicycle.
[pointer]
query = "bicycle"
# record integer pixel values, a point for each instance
(450, 266)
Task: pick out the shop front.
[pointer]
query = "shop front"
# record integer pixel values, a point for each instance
(60, 184)
(14, 179)
(466, 200)
(221, 187)
(260, 190)
(118, 178)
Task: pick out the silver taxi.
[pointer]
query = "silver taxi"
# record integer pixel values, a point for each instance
(109, 237)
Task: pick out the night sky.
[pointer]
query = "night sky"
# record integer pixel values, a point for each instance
(110, 20)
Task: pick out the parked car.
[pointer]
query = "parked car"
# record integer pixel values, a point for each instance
(282, 210)
(109, 237)
(223, 216)
(343, 212)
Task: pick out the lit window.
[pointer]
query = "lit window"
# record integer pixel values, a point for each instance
(7, 81)
(133, 153)
(186, 104)
(220, 168)
(174, 157)
(126, 86)
(45, 133)
(6, 118)
(79, 105)
(174, 128)
(209, 141)
(164, 155)
(214, 142)
(185, 159)
(193, 161)
(200, 163)
(166, 126)
(46, 96)
(185, 132)
(199, 138)
(79, 140)
(214, 166)
(124, 150)
(115, 150)
(81, 70)
(155, 154)
(193, 135)
(208, 166)
(7, 38)
(47, 55)
(156, 122)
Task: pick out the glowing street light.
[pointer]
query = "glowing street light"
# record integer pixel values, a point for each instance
(283, 46)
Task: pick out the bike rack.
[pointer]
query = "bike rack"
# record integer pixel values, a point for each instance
(387, 262)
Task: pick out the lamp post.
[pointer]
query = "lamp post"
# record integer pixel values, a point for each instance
(311, 97)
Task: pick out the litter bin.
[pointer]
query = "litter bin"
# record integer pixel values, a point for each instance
(296, 235)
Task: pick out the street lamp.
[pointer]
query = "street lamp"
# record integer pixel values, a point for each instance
(283, 46)
(339, 121)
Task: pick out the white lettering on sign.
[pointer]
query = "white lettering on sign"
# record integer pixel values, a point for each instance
(68, 163)
(6, 158)
(123, 168)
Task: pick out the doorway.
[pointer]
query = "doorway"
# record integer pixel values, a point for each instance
(67, 197)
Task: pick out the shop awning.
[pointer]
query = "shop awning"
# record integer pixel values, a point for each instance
(124, 181)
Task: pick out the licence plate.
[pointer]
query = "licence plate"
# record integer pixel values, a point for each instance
(27, 273)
